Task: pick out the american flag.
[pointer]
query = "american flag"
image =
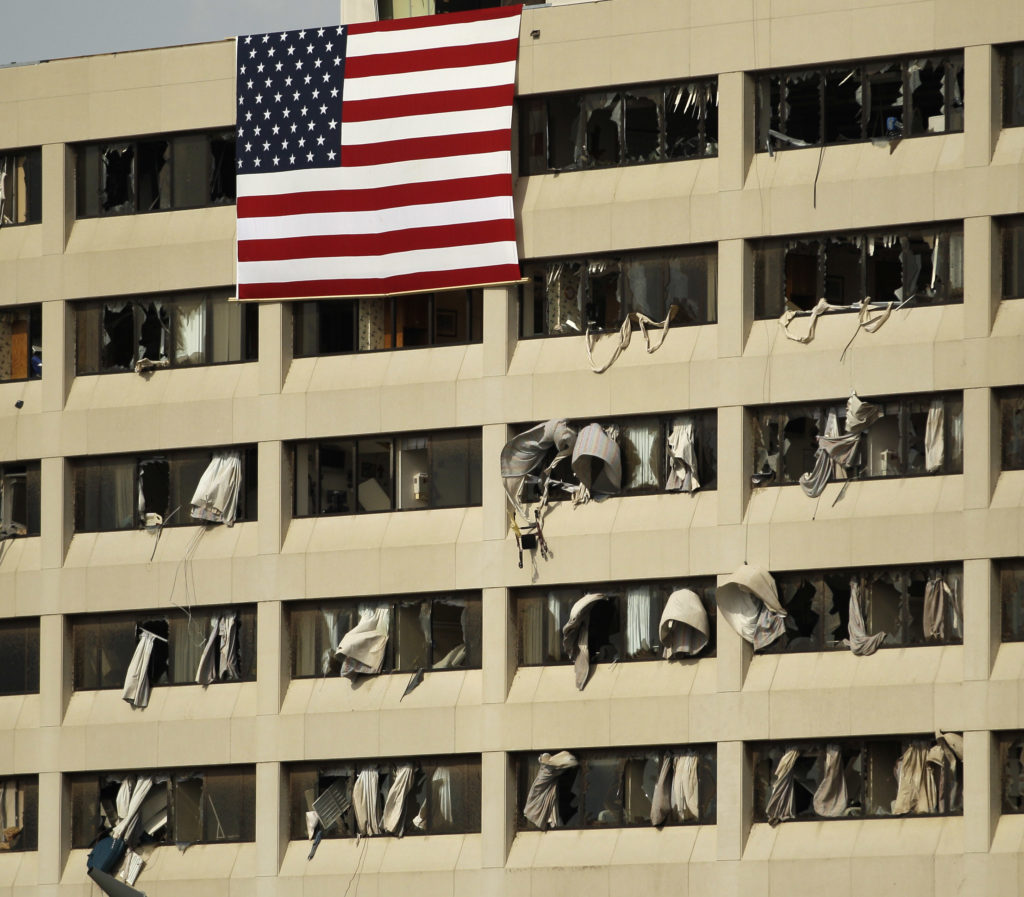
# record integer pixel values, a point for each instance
(376, 158)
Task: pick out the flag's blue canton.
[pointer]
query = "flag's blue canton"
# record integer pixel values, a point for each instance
(289, 100)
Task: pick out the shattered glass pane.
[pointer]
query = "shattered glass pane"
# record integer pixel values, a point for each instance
(884, 85)
(118, 179)
(802, 110)
(602, 127)
(643, 126)
(1013, 86)
(803, 286)
(843, 110)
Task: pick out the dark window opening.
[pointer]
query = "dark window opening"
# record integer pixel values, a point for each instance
(19, 813)
(1011, 766)
(21, 187)
(1012, 247)
(21, 342)
(1011, 427)
(19, 499)
(1012, 65)
(19, 647)
(1011, 591)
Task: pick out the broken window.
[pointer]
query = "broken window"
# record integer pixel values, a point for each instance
(339, 326)
(21, 342)
(625, 625)
(21, 194)
(126, 491)
(19, 647)
(913, 436)
(385, 473)
(414, 796)
(567, 296)
(171, 171)
(1012, 249)
(102, 646)
(1011, 592)
(216, 804)
(915, 775)
(923, 264)
(621, 788)
(165, 330)
(629, 126)
(903, 606)
(19, 499)
(884, 99)
(434, 632)
(1011, 427)
(19, 813)
(1012, 62)
(1011, 765)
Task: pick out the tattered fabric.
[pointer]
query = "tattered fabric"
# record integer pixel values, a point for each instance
(915, 783)
(130, 798)
(366, 802)
(597, 462)
(676, 789)
(542, 800)
(861, 644)
(216, 497)
(684, 628)
(394, 805)
(682, 459)
(743, 597)
(830, 797)
(780, 805)
(934, 447)
(136, 680)
(363, 646)
(936, 596)
(576, 636)
(524, 453)
(626, 333)
(220, 657)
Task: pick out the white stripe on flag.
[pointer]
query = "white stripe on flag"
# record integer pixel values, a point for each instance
(435, 125)
(375, 87)
(461, 34)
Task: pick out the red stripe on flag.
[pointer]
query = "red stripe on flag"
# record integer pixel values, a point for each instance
(428, 103)
(342, 245)
(451, 18)
(425, 148)
(426, 281)
(372, 200)
(430, 60)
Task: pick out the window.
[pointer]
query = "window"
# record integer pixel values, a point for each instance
(19, 647)
(1011, 426)
(180, 807)
(910, 605)
(165, 171)
(115, 492)
(903, 775)
(164, 330)
(414, 796)
(21, 186)
(402, 9)
(1012, 233)
(19, 499)
(924, 264)
(1011, 593)
(1012, 60)
(433, 632)
(914, 436)
(387, 473)
(19, 813)
(568, 296)
(1011, 764)
(615, 788)
(336, 326)
(21, 342)
(622, 126)
(882, 99)
(625, 626)
(102, 646)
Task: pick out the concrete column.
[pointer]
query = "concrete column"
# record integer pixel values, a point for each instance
(58, 354)
(981, 276)
(495, 518)
(735, 296)
(981, 791)
(54, 839)
(735, 129)
(981, 446)
(353, 11)
(499, 658)
(271, 818)
(982, 112)
(54, 669)
(734, 450)
(497, 808)
(272, 674)
(275, 346)
(732, 654)
(501, 329)
(57, 514)
(274, 496)
(58, 196)
(982, 618)
(735, 799)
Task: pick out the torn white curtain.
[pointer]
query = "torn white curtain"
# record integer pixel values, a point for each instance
(749, 601)
(684, 627)
(220, 653)
(915, 782)
(362, 647)
(576, 636)
(439, 800)
(136, 680)
(835, 449)
(682, 458)
(780, 803)
(681, 794)
(861, 644)
(216, 496)
(130, 798)
(597, 462)
(830, 797)
(936, 596)
(626, 333)
(524, 453)
(394, 804)
(934, 448)
(871, 317)
(366, 802)
(542, 801)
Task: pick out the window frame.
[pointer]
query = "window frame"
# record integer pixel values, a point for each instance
(31, 159)
(27, 796)
(30, 473)
(26, 630)
(33, 318)
(1011, 74)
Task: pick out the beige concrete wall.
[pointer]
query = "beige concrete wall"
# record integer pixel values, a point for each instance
(728, 699)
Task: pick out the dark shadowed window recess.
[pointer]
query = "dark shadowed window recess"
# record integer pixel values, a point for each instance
(1011, 231)
(183, 807)
(1012, 65)
(623, 627)
(19, 499)
(147, 174)
(626, 126)
(616, 788)
(19, 647)
(19, 813)
(164, 330)
(1011, 427)
(430, 632)
(923, 265)
(1011, 769)
(401, 9)
(565, 297)
(901, 775)
(881, 99)
(1011, 596)
(114, 492)
(21, 342)
(21, 186)
(359, 475)
(339, 326)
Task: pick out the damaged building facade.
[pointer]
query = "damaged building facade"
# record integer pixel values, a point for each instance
(693, 564)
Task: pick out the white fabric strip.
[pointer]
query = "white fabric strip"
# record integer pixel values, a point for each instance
(377, 87)
(439, 124)
(458, 34)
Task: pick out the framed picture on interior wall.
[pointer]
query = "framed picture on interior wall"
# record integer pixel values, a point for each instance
(447, 322)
